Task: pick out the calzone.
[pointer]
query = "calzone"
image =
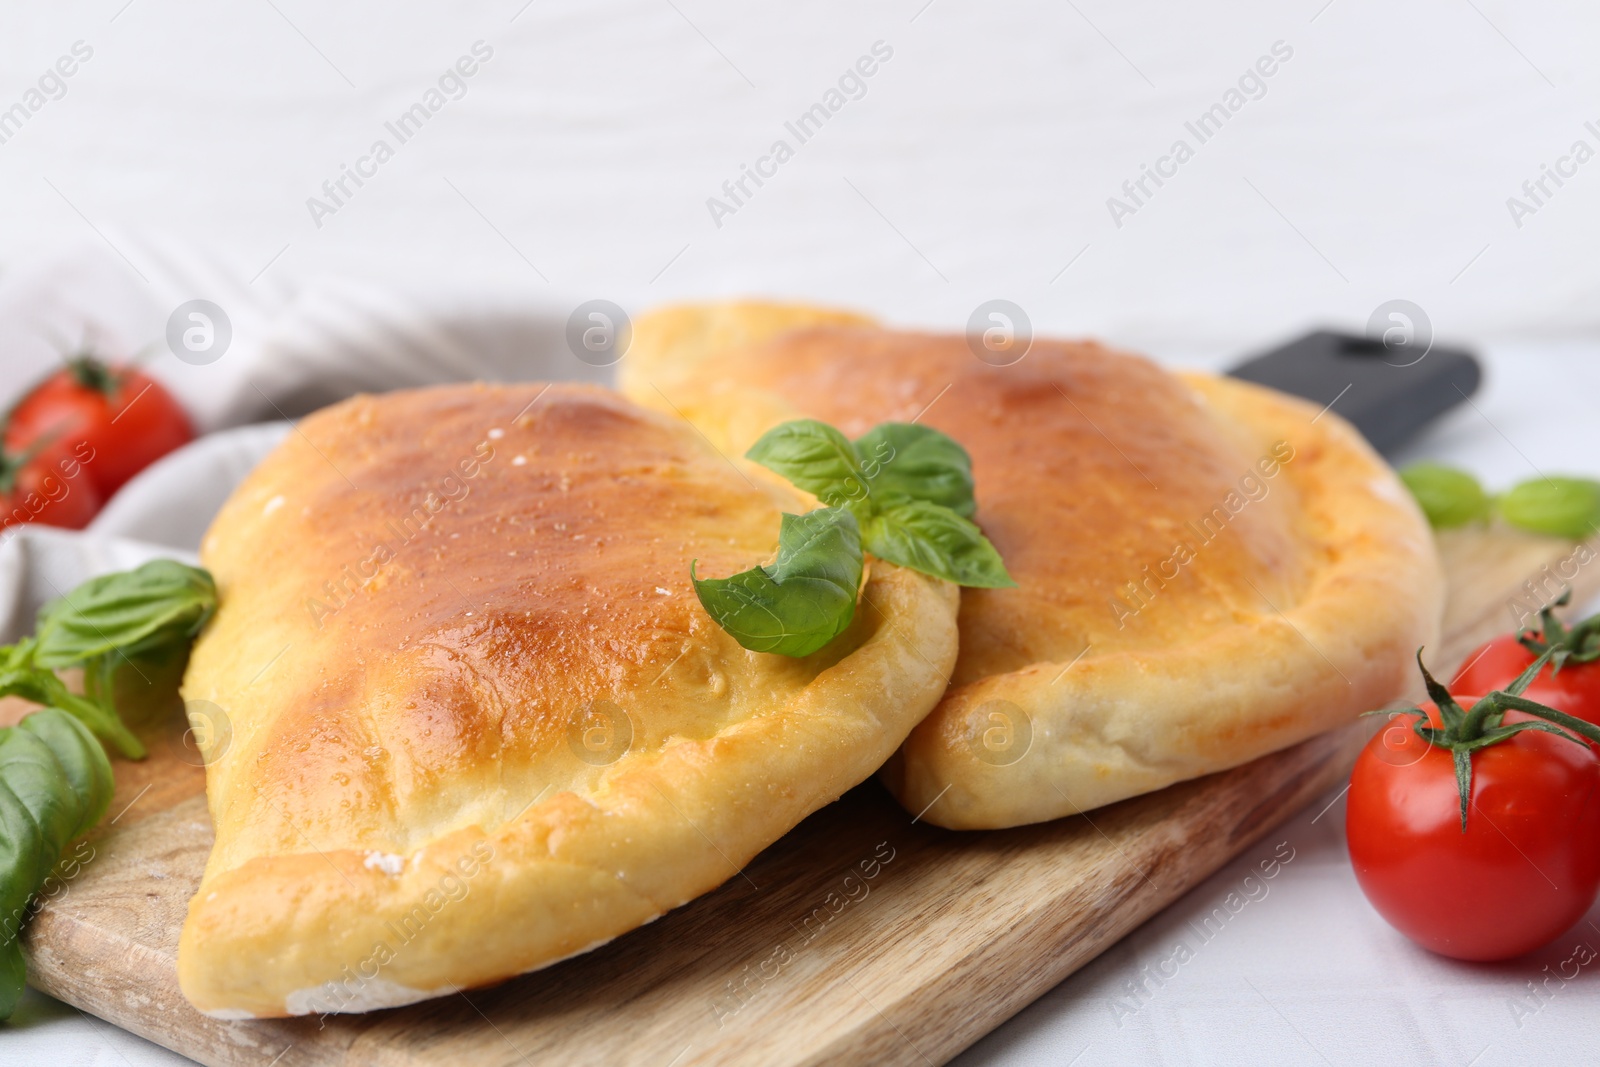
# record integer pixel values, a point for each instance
(1206, 570)
(474, 719)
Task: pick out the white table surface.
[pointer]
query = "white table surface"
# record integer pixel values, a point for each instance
(977, 164)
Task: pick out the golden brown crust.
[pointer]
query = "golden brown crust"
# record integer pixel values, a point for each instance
(1179, 609)
(669, 342)
(442, 611)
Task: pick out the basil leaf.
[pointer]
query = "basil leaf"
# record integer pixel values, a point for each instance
(13, 975)
(132, 612)
(1560, 506)
(904, 461)
(936, 541)
(28, 769)
(804, 599)
(815, 457)
(55, 784)
(1448, 497)
(82, 760)
(20, 849)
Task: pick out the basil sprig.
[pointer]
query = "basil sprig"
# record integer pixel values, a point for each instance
(909, 487)
(142, 613)
(55, 780)
(902, 492)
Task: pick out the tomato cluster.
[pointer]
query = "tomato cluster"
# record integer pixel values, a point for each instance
(77, 436)
(1476, 833)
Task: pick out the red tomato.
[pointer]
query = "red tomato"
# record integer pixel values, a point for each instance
(1524, 871)
(49, 487)
(1575, 690)
(126, 418)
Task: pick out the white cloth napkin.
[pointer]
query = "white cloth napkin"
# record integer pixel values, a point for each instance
(172, 501)
(40, 563)
(293, 348)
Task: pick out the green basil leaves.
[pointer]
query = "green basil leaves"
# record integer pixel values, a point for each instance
(902, 492)
(1557, 505)
(909, 487)
(55, 780)
(148, 611)
(804, 599)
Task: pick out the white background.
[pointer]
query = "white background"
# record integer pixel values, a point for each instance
(983, 152)
(978, 164)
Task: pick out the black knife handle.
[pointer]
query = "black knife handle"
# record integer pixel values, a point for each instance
(1390, 393)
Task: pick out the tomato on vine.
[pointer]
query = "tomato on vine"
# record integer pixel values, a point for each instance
(1476, 832)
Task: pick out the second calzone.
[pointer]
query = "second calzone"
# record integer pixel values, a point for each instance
(1206, 570)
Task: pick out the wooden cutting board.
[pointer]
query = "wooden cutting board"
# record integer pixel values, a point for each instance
(863, 936)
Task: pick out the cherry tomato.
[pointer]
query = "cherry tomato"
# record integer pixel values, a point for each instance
(49, 487)
(1527, 866)
(126, 418)
(1575, 689)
